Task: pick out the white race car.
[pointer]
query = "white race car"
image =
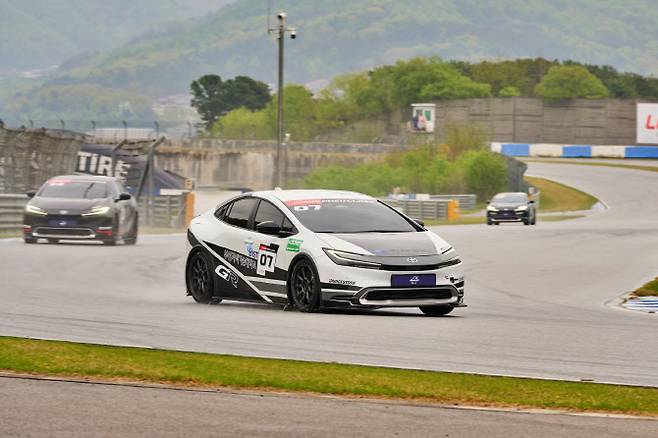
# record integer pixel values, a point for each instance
(313, 249)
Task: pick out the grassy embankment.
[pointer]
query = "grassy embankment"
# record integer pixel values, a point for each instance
(555, 197)
(116, 364)
(648, 290)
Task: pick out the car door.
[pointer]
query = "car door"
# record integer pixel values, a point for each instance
(272, 258)
(234, 244)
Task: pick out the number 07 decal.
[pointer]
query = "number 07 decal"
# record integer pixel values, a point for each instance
(266, 259)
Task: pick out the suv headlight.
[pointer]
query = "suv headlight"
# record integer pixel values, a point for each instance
(35, 210)
(99, 209)
(521, 208)
(350, 259)
(491, 208)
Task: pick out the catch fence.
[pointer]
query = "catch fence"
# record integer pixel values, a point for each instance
(28, 157)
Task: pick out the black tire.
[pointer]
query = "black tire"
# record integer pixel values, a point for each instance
(436, 310)
(30, 240)
(496, 223)
(534, 219)
(199, 278)
(526, 221)
(489, 221)
(304, 286)
(132, 238)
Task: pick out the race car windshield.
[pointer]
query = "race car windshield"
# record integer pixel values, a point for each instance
(74, 189)
(510, 198)
(348, 216)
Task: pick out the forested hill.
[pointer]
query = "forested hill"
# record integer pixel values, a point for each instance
(344, 35)
(38, 33)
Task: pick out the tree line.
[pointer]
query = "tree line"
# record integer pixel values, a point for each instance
(243, 108)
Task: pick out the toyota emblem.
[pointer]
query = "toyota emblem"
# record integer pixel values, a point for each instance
(412, 259)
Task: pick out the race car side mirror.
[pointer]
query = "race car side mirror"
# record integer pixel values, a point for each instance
(268, 227)
(124, 197)
(531, 202)
(31, 194)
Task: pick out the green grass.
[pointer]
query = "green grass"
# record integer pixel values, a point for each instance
(67, 359)
(559, 197)
(648, 290)
(476, 220)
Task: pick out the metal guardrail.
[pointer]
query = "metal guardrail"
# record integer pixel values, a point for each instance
(466, 202)
(433, 209)
(169, 211)
(11, 212)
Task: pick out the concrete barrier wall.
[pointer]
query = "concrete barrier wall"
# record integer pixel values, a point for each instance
(574, 151)
(247, 164)
(535, 121)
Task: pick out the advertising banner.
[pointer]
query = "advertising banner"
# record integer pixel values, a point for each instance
(647, 123)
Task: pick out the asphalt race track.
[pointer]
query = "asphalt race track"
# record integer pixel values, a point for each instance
(540, 298)
(32, 408)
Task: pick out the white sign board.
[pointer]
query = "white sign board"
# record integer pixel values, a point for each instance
(647, 123)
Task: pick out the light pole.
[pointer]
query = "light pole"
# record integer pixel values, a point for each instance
(280, 31)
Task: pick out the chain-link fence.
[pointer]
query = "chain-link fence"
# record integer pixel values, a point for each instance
(114, 131)
(28, 157)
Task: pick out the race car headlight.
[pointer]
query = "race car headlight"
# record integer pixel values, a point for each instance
(33, 209)
(491, 208)
(350, 259)
(521, 208)
(99, 209)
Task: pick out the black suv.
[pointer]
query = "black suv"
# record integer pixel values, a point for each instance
(511, 207)
(76, 207)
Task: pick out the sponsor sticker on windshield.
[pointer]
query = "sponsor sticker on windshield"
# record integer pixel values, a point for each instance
(316, 204)
(303, 202)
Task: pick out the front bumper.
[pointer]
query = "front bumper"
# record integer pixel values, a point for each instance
(506, 215)
(376, 290)
(67, 227)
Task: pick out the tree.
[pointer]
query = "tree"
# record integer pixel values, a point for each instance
(213, 97)
(509, 91)
(570, 82)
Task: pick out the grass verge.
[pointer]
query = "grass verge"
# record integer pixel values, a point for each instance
(208, 370)
(559, 197)
(648, 290)
(475, 220)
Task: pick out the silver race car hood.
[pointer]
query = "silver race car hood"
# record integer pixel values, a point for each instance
(383, 244)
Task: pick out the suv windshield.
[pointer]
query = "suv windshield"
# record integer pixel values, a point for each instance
(510, 198)
(348, 216)
(61, 188)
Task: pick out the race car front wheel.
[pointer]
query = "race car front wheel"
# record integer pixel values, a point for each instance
(199, 278)
(305, 286)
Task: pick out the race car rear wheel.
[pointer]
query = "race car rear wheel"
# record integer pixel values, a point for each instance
(436, 310)
(199, 278)
(305, 286)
